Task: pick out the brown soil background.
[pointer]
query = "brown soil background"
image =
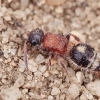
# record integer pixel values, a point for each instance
(81, 17)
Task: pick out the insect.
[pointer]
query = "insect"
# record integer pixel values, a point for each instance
(68, 47)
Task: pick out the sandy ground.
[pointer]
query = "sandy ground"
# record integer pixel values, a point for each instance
(82, 17)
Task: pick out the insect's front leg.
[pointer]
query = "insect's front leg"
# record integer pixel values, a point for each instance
(51, 61)
(25, 55)
(59, 60)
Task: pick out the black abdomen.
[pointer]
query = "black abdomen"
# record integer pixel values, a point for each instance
(82, 54)
(85, 56)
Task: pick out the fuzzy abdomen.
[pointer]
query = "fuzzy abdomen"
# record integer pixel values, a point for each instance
(55, 43)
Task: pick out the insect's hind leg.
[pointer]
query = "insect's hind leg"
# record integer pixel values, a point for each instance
(62, 64)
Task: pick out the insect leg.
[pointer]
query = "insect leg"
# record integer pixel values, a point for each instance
(62, 64)
(25, 55)
(75, 37)
(17, 22)
(51, 61)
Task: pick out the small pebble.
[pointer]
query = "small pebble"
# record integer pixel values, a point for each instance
(13, 51)
(3, 9)
(6, 55)
(9, 60)
(7, 17)
(54, 71)
(15, 5)
(19, 82)
(59, 10)
(73, 79)
(90, 96)
(5, 40)
(4, 81)
(83, 97)
(46, 74)
(32, 66)
(50, 97)
(55, 91)
(62, 97)
(38, 74)
(24, 3)
(19, 14)
(39, 85)
(29, 77)
(73, 91)
(12, 93)
(94, 87)
(42, 68)
(70, 71)
(57, 82)
(87, 94)
(19, 52)
(12, 63)
(78, 11)
(62, 87)
(21, 65)
(24, 91)
(39, 59)
(80, 77)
